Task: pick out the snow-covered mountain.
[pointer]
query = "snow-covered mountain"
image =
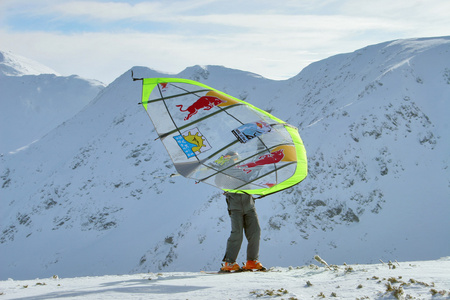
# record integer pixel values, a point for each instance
(15, 65)
(94, 195)
(34, 99)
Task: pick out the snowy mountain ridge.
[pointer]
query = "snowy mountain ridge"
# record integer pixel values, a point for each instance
(16, 65)
(94, 196)
(35, 99)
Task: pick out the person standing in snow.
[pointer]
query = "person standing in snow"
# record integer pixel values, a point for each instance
(244, 219)
(241, 208)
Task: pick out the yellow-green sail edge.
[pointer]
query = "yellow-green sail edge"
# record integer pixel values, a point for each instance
(148, 84)
(300, 174)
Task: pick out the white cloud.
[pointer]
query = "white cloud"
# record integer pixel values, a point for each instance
(115, 11)
(399, 9)
(107, 11)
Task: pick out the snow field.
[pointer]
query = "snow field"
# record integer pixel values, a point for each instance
(399, 280)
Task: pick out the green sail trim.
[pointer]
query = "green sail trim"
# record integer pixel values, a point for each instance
(300, 173)
(150, 84)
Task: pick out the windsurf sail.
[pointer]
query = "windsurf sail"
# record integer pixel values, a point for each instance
(220, 140)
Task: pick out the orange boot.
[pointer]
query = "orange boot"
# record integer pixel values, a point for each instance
(230, 267)
(253, 265)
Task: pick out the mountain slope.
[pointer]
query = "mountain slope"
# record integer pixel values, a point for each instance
(94, 195)
(35, 99)
(15, 65)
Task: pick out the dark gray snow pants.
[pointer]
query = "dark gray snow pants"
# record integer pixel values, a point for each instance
(241, 208)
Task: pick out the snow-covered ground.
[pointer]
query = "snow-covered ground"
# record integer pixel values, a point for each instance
(398, 280)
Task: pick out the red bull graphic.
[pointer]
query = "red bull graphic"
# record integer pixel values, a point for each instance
(205, 103)
(163, 86)
(266, 159)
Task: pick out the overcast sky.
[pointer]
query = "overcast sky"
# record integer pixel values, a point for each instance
(276, 39)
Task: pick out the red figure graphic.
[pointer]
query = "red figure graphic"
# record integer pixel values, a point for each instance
(265, 159)
(163, 86)
(205, 102)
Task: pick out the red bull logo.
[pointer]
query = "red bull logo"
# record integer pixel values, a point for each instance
(163, 86)
(205, 103)
(266, 159)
